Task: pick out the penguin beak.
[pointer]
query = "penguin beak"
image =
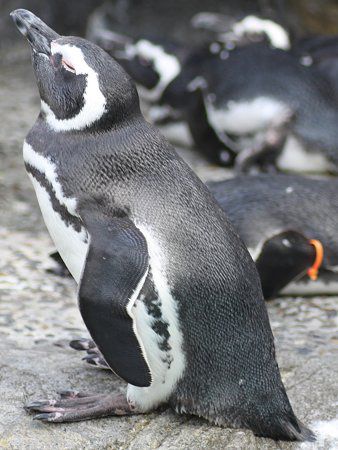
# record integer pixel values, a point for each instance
(38, 34)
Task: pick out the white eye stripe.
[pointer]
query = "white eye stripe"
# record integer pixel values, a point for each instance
(94, 101)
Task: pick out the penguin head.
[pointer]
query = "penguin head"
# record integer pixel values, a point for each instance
(80, 85)
(153, 63)
(235, 31)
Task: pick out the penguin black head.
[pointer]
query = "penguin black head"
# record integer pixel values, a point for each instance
(153, 63)
(237, 31)
(80, 85)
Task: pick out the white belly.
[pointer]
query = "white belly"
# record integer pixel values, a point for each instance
(166, 366)
(295, 158)
(245, 117)
(71, 244)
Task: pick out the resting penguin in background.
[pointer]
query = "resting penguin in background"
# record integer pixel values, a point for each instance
(255, 104)
(167, 290)
(290, 226)
(318, 51)
(280, 113)
(249, 29)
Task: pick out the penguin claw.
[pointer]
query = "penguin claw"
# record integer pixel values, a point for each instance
(94, 356)
(82, 344)
(40, 403)
(48, 417)
(68, 393)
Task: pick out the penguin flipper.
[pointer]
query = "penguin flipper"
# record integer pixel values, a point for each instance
(114, 272)
(283, 258)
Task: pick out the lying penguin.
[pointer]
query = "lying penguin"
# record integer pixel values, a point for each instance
(289, 224)
(161, 271)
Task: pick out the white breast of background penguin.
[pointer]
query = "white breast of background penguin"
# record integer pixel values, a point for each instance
(166, 366)
(244, 117)
(70, 243)
(295, 158)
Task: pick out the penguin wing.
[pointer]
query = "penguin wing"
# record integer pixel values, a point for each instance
(114, 273)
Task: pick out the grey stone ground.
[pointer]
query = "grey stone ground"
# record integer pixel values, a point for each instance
(38, 315)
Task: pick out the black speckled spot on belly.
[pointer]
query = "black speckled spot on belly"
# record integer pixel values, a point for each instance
(153, 305)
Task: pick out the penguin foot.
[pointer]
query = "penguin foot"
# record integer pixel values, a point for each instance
(255, 160)
(94, 356)
(263, 155)
(74, 406)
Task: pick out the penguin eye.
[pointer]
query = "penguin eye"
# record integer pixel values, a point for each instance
(144, 61)
(68, 66)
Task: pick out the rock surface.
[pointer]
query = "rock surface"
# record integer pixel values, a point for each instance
(38, 315)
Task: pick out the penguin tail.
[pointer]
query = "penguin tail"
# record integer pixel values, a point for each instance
(286, 428)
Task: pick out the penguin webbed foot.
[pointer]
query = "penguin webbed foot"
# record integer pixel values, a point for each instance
(74, 406)
(94, 356)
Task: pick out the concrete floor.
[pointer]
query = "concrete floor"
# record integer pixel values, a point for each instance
(38, 315)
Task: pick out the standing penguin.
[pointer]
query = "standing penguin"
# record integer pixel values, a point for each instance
(167, 290)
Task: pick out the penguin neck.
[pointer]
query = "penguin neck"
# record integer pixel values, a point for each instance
(114, 116)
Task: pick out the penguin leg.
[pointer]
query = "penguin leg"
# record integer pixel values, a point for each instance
(262, 156)
(283, 258)
(94, 356)
(73, 406)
